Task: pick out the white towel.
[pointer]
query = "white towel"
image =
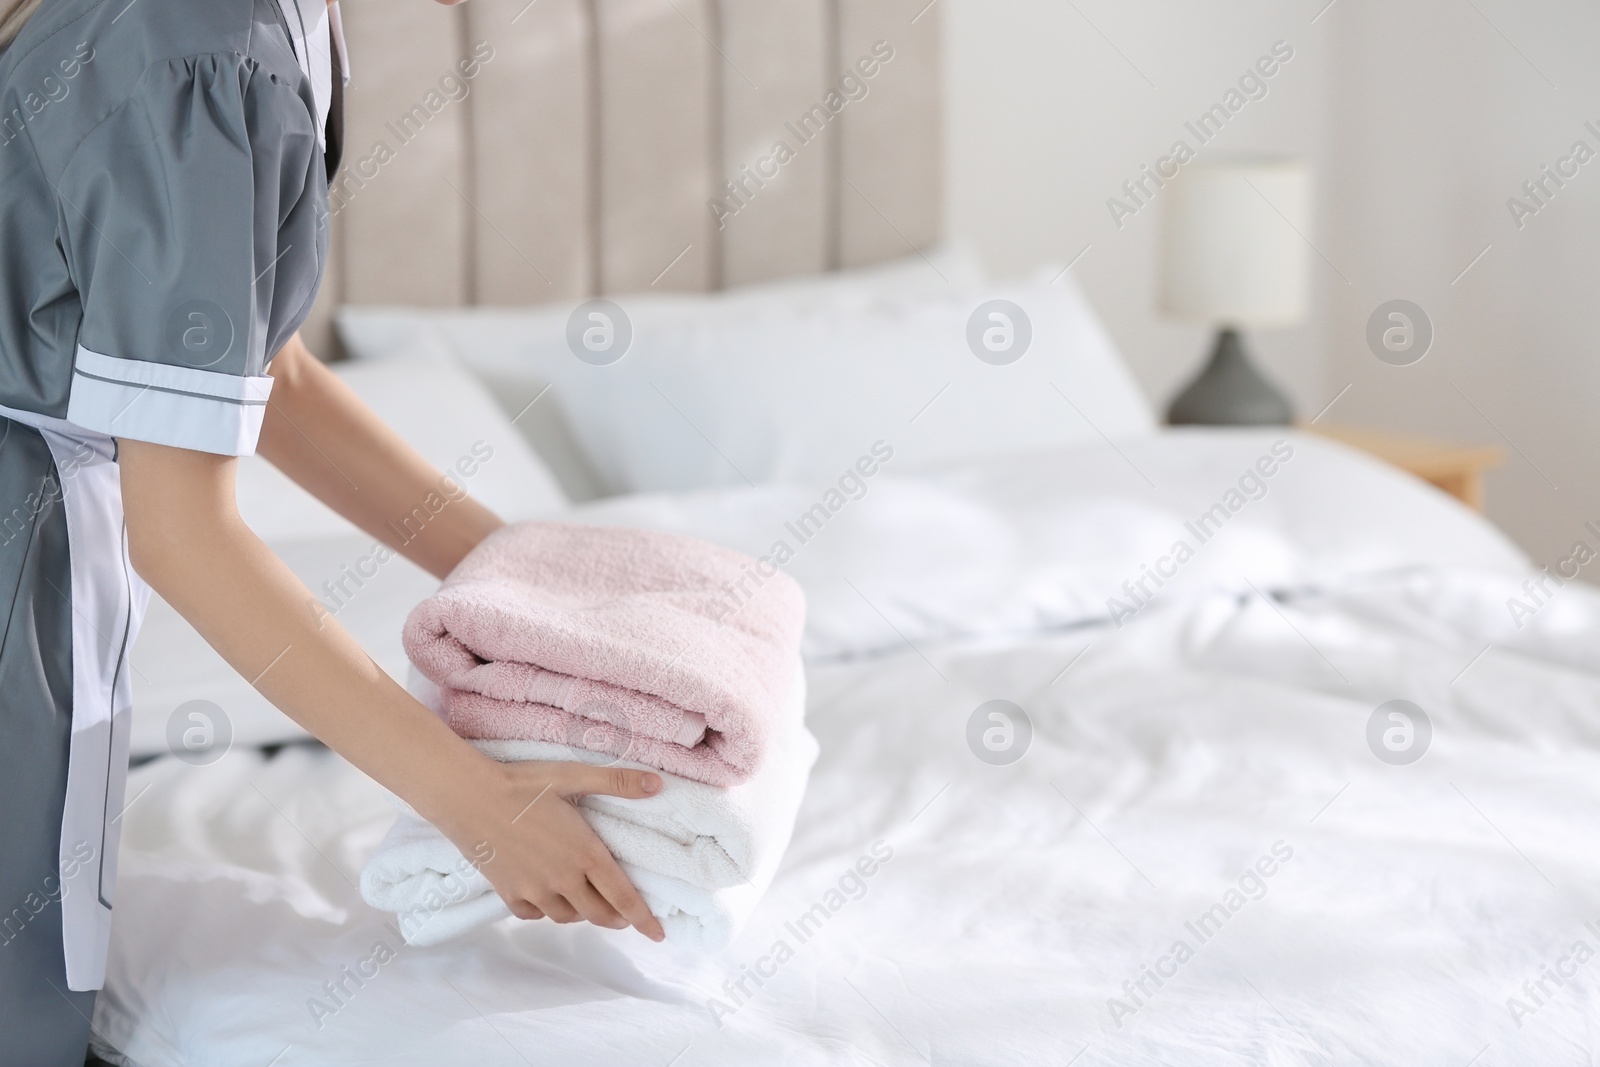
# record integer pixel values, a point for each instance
(700, 855)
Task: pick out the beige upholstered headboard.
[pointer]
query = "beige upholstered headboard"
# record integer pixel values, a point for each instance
(509, 152)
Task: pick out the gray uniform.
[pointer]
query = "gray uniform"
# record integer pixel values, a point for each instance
(163, 229)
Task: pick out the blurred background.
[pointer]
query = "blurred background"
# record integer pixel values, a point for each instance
(1419, 121)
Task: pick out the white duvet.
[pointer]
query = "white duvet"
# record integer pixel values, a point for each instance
(1211, 851)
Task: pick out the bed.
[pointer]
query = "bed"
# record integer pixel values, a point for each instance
(1138, 746)
(1221, 733)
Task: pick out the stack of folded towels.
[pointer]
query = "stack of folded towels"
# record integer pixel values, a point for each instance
(621, 647)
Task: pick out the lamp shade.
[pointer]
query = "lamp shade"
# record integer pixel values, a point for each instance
(1233, 252)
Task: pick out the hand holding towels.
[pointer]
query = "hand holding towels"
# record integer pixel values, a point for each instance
(700, 855)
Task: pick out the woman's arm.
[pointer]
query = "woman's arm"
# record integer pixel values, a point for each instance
(319, 433)
(188, 542)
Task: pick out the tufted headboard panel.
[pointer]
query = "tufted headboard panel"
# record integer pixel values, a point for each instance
(508, 152)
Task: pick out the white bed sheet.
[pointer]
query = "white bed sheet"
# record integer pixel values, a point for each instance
(1056, 538)
(1168, 756)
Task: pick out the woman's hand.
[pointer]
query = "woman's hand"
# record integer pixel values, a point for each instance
(541, 856)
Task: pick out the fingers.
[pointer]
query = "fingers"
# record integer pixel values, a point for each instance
(594, 907)
(580, 779)
(524, 909)
(608, 879)
(559, 910)
(562, 871)
(578, 903)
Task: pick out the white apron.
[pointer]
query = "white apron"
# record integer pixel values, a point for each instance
(108, 603)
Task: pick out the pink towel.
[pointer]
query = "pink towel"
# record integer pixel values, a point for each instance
(660, 648)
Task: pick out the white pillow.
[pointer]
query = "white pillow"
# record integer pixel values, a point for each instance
(717, 391)
(928, 272)
(442, 412)
(494, 342)
(771, 397)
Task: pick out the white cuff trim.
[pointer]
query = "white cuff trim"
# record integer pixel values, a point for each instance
(184, 407)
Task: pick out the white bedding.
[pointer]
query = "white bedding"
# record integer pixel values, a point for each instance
(1214, 731)
(1048, 539)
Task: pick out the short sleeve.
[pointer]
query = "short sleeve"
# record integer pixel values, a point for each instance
(194, 222)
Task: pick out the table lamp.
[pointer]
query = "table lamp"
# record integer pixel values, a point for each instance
(1233, 256)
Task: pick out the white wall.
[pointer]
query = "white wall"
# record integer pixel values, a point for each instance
(1047, 120)
(1439, 122)
(1418, 119)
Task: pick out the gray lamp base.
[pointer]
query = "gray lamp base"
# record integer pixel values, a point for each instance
(1230, 392)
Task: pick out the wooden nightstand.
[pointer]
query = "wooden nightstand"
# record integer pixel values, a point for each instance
(1457, 469)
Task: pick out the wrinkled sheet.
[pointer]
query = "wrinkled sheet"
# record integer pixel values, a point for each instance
(1214, 771)
(1006, 907)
